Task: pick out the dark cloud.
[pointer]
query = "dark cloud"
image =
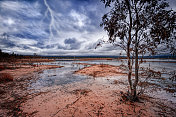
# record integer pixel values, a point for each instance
(73, 43)
(40, 44)
(70, 41)
(49, 23)
(7, 43)
(26, 47)
(45, 26)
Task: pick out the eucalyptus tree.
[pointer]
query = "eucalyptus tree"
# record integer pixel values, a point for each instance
(140, 27)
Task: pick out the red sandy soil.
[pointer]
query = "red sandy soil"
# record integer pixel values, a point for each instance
(19, 67)
(35, 60)
(91, 100)
(101, 71)
(17, 63)
(26, 69)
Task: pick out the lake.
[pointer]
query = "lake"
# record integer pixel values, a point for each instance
(65, 75)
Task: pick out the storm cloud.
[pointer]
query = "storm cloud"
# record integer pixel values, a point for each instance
(54, 27)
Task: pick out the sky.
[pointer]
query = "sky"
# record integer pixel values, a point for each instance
(54, 27)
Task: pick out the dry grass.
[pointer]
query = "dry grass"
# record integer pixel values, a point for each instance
(5, 77)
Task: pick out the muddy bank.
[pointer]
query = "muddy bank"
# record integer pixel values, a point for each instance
(35, 60)
(101, 70)
(22, 63)
(24, 70)
(14, 93)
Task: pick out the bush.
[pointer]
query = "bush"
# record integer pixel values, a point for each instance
(5, 77)
(2, 67)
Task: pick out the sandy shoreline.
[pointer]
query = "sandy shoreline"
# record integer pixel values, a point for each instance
(99, 97)
(21, 67)
(101, 70)
(14, 92)
(16, 73)
(93, 99)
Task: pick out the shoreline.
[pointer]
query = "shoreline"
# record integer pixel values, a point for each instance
(92, 97)
(100, 70)
(20, 67)
(14, 92)
(26, 69)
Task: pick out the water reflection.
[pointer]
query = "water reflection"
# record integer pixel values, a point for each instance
(64, 75)
(58, 76)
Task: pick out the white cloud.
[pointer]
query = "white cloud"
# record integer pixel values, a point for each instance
(11, 5)
(23, 8)
(9, 21)
(23, 41)
(80, 19)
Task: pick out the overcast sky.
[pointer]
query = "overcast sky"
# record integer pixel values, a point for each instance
(54, 27)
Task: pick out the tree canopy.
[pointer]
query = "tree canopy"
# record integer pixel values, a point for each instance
(154, 23)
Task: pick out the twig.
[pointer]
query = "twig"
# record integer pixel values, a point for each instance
(72, 102)
(74, 112)
(66, 106)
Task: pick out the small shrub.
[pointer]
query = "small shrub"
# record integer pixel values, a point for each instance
(2, 91)
(118, 82)
(115, 82)
(2, 67)
(172, 76)
(81, 91)
(5, 77)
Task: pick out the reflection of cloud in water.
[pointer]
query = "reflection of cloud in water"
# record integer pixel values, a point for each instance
(59, 76)
(64, 76)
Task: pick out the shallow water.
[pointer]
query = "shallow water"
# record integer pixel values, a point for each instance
(58, 76)
(65, 75)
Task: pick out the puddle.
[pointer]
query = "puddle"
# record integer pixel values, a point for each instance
(58, 76)
(63, 76)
